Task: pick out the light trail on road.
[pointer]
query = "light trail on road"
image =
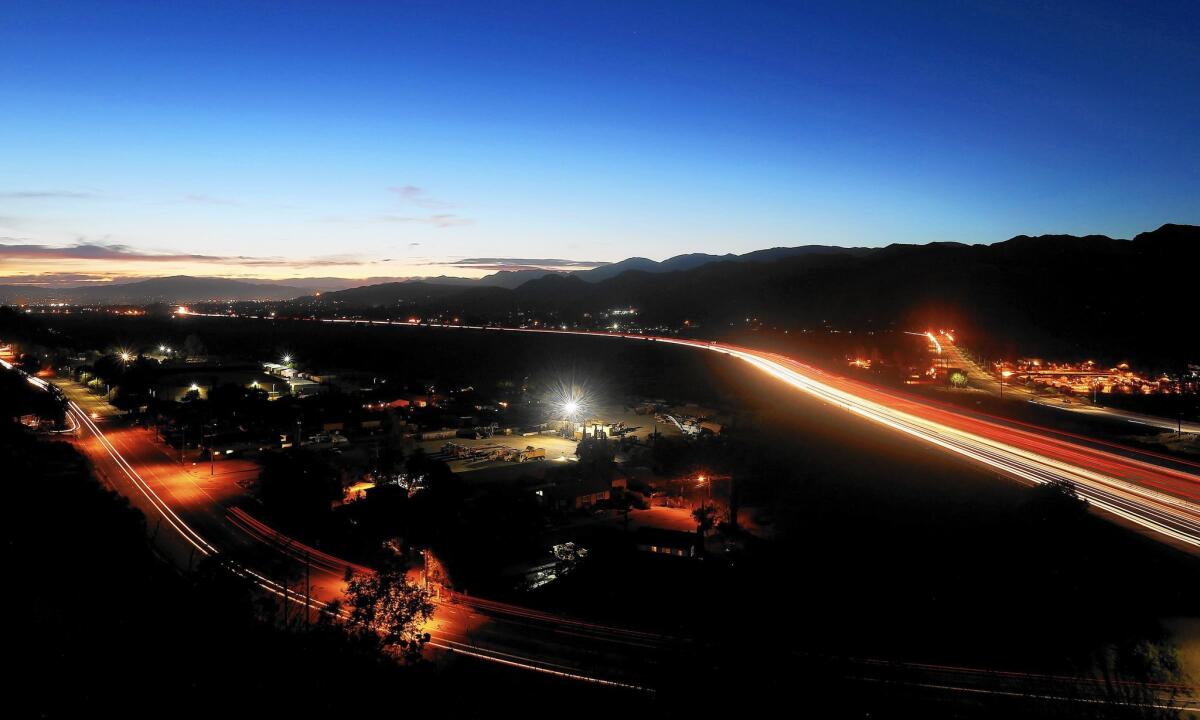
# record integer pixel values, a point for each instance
(459, 636)
(1150, 496)
(1142, 493)
(1147, 495)
(185, 530)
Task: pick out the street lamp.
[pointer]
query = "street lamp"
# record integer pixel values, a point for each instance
(1004, 375)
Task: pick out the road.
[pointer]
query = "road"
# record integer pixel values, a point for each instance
(197, 515)
(1142, 489)
(194, 514)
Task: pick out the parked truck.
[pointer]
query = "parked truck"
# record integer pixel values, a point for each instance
(531, 453)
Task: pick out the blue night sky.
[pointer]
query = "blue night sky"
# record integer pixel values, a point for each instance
(359, 140)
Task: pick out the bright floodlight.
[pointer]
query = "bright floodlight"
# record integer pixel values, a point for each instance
(570, 400)
(125, 357)
(287, 358)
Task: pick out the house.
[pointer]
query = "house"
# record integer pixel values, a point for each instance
(662, 541)
(577, 493)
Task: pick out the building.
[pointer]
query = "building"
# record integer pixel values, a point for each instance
(174, 383)
(662, 541)
(578, 493)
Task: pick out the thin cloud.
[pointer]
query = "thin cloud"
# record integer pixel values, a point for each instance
(47, 195)
(516, 264)
(440, 220)
(67, 280)
(58, 279)
(94, 251)
(413, 195)
(11, 248)
(202, 199)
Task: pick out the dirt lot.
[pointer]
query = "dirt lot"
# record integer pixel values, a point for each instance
(557, 449)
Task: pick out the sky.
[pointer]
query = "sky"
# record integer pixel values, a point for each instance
(359, 140)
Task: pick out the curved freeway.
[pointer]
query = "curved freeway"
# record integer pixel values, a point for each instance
(1148, 490)
(1152, 492)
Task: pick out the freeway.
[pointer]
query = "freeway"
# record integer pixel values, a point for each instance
(1139, 488)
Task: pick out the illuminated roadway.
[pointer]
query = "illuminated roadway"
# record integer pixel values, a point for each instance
(204, 513)
(1150, 491)
(1155, 493)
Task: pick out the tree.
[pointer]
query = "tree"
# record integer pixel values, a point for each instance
(192, 346)
(705, 517)
(299, 487)
(1056, 504)
(1140, 678)
(385, 605)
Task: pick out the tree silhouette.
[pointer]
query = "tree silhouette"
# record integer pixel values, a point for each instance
(705, 517)
(387, 606)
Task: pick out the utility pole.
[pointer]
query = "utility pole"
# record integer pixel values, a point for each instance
(307, 587)
(733, 508)
(284, 573)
